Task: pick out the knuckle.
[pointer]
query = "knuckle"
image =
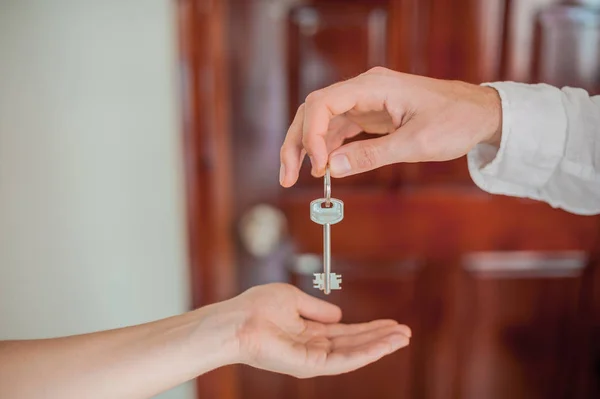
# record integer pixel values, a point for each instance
(314, 97)
(368, 156)
(283, 287)
(285, 151)
(378, 70)
(298, 119)
(282, 154)
(306, 143)
(367, 81)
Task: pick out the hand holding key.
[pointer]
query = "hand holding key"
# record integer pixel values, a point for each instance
(412, 119)
(327, 211)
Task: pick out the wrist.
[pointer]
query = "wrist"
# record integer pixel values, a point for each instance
(216, 335)
(492, 107)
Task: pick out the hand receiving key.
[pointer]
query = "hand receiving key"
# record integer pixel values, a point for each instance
(327, 211)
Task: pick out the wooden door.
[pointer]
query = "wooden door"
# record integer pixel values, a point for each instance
(501, 293)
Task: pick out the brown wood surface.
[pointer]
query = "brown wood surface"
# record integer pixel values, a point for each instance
(502, 294)
(208, 165)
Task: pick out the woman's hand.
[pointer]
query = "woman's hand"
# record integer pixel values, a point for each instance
(284, 330)
(274, 327)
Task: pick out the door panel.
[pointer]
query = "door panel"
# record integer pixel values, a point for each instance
(519, 37)
(497, 307)
(328, 44)
(520, 309)
(438, 223)
(567, 49)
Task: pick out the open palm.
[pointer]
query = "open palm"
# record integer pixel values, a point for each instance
(290, 332)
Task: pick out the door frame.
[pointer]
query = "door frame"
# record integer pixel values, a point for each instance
(203, 68)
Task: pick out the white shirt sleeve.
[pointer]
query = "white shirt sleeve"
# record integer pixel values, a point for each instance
(550, 148)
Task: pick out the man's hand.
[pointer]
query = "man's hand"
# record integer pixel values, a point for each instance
(415, 119)
(284, 330)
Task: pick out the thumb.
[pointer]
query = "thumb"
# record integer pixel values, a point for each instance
(362, 156)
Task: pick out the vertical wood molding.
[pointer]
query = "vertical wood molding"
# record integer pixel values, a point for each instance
(204, 89)
(203, 66)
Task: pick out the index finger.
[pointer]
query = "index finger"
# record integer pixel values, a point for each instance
(292, 152)
(320, 107)
(364, 93)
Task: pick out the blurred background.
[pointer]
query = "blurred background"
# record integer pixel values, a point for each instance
(139, 164)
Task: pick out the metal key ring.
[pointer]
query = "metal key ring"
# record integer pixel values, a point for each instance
(327, 187)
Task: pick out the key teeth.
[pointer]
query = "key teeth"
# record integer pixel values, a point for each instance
(319, 282)
(335, 281)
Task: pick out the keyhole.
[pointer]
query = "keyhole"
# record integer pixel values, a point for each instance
(325, 205)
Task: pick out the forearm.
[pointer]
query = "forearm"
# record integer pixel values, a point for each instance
(133, 362)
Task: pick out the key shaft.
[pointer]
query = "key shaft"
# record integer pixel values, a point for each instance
(327, 257)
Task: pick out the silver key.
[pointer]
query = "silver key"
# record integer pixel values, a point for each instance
(327, 211)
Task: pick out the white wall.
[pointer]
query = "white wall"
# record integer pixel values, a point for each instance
(92, 228)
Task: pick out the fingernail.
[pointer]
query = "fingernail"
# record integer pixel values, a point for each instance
(339, 165)
(312, 165)
(281, 174)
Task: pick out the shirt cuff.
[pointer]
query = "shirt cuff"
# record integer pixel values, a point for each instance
(534, 128)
